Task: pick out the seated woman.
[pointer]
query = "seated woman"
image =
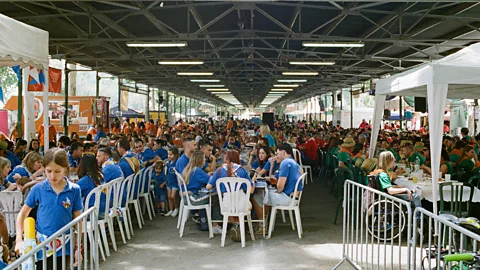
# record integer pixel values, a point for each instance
(195, 178)
(231, 168)
(31, 167)
(90, 176)
(446, 166)
(4, 169)
(457, 152)
(469, 161)
(384, 174)
(263, 154)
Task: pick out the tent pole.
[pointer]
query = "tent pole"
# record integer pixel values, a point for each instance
(119, 95)
(97, 90)
(174, 108)
(20, 106)
(400, 113)
(475, 102)
(351, 108)
(147, 109)
(65, 118)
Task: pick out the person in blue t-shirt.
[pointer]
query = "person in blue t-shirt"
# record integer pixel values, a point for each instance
(58, 202)
(160, 187)
(74, 155)
(91, 177)
(231, 168)
(146, 155)
(232, 143)
(172, 184)
(110, 169)
(100, 133)
(195, 178)
(288, 176)
(127, 163)
(210, 160)
(4, 152)
(31, 167)
(158, 147)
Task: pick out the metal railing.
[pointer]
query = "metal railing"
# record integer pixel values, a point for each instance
(436, 236)
(376, 229)
(66, 238)
(381, 231)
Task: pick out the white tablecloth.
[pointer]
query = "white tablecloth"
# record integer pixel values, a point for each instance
(425, 190)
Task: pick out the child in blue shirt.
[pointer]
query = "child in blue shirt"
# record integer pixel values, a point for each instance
(159, 180)
(58, 202)
(172, 184)
(91, 177)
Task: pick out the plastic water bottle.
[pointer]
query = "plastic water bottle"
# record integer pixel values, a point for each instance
(417, 164)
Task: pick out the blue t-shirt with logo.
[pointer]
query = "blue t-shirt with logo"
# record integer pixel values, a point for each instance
(54, 211)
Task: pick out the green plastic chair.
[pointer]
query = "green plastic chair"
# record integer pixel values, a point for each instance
(474, 180)
(458, 206)
(341, 175)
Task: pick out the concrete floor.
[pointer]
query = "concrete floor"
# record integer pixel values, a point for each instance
(158, 245)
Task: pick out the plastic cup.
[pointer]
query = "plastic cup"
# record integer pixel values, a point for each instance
(448, 177)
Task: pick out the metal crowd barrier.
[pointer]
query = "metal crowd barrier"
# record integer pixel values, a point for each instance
(438, 236)
(376, 229)
(76, 232)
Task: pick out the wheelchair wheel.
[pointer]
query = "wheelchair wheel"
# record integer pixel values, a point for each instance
(385, 221)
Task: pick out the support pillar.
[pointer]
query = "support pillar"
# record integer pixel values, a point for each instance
(65, 118)
(20, 106)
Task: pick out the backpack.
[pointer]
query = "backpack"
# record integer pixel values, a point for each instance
(134, 163)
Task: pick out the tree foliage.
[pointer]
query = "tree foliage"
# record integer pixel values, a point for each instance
(8, 79)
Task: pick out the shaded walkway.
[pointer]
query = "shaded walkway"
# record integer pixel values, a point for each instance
(158, 245)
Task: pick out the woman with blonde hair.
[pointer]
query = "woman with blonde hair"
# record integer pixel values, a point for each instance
(385, 174)
(195, 178)
(32, 167)
(265, 132)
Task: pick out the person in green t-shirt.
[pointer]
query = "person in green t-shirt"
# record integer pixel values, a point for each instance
(345, 154)
(386, 162)
(410, 155)
(395, 149)
(469, 160)
(446, 166)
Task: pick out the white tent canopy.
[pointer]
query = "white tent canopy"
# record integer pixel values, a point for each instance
(25, 45)
(454, 76)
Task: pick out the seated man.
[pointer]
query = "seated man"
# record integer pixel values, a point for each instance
(286, 180)
(75, 155)
(309, 149)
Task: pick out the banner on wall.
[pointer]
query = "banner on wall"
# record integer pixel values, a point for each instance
(124, 100)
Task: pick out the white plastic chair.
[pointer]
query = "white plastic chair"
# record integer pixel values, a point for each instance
(114, 211)
(146, 192)
(305, 168)
(107, 189)
(125, 189)
(294, 206)
(133, 198)
(11, 203)
(187, 208)
(91, 227)
(235, 202)
(180, 210)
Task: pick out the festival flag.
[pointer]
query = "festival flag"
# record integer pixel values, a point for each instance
(2, 97)
(36, 80)
(54, 80)
(16, 69)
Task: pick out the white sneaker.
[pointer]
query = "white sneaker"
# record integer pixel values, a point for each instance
(175, 212)
(169, 213)
(217, 229)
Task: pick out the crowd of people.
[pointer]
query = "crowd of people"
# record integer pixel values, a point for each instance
(203, 152)
(56, 182)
